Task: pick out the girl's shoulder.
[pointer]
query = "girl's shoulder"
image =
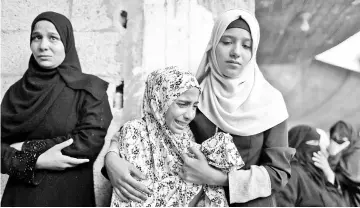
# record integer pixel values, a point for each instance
(134, 125)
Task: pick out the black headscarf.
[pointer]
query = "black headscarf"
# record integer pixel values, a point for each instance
(26, 102)
(298, 136)
(347, 162)
(239, 23)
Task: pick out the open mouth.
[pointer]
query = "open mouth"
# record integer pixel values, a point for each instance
(180, 123)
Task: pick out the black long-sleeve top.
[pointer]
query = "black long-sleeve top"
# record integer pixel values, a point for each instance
(75, 114)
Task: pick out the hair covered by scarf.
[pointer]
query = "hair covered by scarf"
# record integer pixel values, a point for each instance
(150, 145)
(163, 87)
(348, 159)
(298, 136)
(27, 101)
(244, 105)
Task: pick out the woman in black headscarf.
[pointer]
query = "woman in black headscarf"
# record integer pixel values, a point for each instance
(344, 158)
(53, 122)
(307, 185)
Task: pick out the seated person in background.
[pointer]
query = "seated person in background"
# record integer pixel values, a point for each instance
(307, 185)
(156, 143)
(344, 159)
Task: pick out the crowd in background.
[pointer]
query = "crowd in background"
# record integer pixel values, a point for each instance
(325, 169)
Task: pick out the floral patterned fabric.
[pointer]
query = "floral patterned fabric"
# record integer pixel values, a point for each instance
(150, 145)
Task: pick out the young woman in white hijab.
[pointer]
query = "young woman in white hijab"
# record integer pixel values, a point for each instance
(236, 99)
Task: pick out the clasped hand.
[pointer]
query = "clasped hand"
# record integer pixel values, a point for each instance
(53, 159)
(197, 170)
(320, 161)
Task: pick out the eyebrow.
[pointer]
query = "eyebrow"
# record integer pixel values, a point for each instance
(186, 101)
(231, 36)
(38, 33)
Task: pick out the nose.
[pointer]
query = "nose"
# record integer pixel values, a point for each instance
(44, 44)
(235, 51)
(189, 114)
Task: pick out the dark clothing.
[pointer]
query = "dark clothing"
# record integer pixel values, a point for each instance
(47, 107)
(350, 189)
(346, 163)
(269, 149)
(75, 114)
(299, 136)
(302, 191)
(27, 101)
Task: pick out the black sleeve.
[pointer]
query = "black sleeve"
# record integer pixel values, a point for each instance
(89, 133)
(287, 196)
(20, 164)
(276, 155)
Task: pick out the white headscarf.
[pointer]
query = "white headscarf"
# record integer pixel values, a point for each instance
(245, 105)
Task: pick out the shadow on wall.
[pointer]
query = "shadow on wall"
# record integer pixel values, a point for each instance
(318, 94)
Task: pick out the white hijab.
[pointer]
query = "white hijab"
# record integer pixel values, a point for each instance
(245, 105)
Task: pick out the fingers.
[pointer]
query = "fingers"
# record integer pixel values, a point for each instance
(64, 144)
(198, 154)
(316, 159)
(136, 172)
(320, 155)
(136, 184)
(74, 161)
(183, 175)
(318, 165)
(136, 188)
(344, 145)
(120, 195)
(129, 194)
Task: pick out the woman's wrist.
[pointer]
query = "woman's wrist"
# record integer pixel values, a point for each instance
(110, 154)
(330, 176)
(113, 152)
(218, 178)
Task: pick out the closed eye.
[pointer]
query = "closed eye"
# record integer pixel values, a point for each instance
(182, 104)
(226, 42)
(54, 38)
(36, 37)
(247, 46)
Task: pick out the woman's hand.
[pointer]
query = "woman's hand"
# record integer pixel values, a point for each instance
(334, 148)
(121, 174)
(198, 171)
(53, 159)
(17, 146)
(320, 161)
